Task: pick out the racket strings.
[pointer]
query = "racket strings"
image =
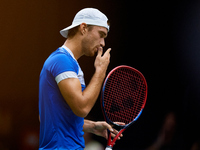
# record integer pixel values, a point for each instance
(124, 95)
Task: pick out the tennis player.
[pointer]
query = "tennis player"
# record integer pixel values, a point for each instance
(64, 100)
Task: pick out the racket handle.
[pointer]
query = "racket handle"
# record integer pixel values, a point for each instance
(108, 148)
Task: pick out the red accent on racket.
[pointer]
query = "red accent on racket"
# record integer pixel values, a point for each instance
(123, 98)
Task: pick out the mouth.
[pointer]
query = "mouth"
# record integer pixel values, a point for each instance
(98, 48)
(95, 50)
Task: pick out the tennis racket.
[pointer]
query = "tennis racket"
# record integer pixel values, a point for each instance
(123, 98)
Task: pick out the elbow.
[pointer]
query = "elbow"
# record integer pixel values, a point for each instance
(81, 112)
(80, 107)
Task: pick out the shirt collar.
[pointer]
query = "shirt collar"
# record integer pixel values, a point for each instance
(68, 50)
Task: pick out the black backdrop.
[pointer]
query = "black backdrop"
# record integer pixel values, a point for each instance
(159, 38)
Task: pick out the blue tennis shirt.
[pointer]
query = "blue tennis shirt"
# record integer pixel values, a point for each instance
(60, 128)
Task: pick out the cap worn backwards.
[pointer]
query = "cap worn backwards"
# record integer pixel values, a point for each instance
(90, 16)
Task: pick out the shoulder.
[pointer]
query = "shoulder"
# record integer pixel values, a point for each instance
(60, 56)
(59, 62)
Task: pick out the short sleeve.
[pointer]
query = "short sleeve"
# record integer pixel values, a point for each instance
(63, 67)
(65, 75)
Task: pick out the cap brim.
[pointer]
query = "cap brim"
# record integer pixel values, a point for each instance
(64, 32)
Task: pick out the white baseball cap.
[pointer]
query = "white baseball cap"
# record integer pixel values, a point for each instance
(90, 16)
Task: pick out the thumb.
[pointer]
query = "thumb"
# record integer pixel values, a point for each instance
(109, 127)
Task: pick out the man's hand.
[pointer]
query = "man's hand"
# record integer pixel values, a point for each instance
(100, 128)
(101, 62)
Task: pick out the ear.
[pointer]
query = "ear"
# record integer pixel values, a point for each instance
(83, 28)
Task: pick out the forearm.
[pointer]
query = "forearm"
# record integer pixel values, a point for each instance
(93, 89)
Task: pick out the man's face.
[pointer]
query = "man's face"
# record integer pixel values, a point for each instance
(94, 40)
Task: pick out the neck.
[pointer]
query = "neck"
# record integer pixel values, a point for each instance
(75, 46)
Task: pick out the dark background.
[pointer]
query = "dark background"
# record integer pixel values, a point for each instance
(159, 38)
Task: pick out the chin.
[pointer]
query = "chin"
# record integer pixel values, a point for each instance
(91, 54)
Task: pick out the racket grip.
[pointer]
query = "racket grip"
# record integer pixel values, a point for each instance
(108, 148)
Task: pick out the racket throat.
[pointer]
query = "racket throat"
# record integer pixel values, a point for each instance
(111, 142)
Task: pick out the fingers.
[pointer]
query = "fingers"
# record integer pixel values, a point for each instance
(101, 62)
(114, 133)
(101, 128)
(100, 52)
(109, 127)
(107, 53)
(120, 123)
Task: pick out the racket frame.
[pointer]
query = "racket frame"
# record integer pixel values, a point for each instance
(111, 143)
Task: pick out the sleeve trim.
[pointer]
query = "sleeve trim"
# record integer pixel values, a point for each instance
(65, 75)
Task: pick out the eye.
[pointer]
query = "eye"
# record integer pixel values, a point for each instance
(102, 34)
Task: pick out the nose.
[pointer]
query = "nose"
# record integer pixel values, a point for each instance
(102, 43)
